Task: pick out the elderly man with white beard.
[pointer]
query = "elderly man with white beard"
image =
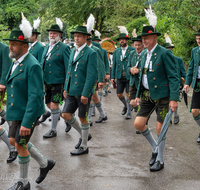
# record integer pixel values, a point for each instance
(55, 63)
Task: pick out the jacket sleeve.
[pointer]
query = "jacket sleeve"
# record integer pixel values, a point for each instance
(182, 68)
(40, 53)
(35, 97)
(129, 63)
(6, 63)
(113, 66)
(190, 71)
(106, 62)
(66, 53)
(101, 66)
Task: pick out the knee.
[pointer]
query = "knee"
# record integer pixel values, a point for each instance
(195, 112)
(12, 141)
(0, 127)
(67, 116)
(49, 105)
(54, 105)
(120, 95)
(83, 121)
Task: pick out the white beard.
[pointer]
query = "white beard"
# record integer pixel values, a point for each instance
(54, 40)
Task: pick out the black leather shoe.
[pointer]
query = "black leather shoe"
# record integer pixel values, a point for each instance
(19, 186)
(68, 127)
(157, 167)
(101, 119)
(171, 122)
(44, 171)
(198, 139)
(79, 151)
(176, 120)
(2, 121)
(109, 91)
(153, 159)
(80, 141)
(138, 132)
(44, 117)
(50, 134)
(12, 157)
(124, 110)
(90, 122)
(128, 116)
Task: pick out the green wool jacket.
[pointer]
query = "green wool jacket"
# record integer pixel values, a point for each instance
(56, 66)
(106, 62)
(37, 51)
(100, 64)
(25, 92)
(97, 45)
(193, 67)
(118, 64)
(5, 63)
(132, 61)
(163, 80)
(181, 68)
(82, 73)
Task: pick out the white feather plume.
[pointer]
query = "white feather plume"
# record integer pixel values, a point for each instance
(59, 23)
(134, 34)
(151, 17)
(123, 29)
(90, 23)
(36, 23)
(25, 27)
(167, 39)
(144, 24)
(97, 33)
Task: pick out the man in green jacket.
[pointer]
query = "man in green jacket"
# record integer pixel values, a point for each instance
(80, 79)
(119, 72)
(5, 63)
(54, 61)
(24, 106)
(158, 89)
(193, 77)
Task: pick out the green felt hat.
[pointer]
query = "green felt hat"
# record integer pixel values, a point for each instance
(34, 31)
(96, 38)
(197, 33)
(168, 45)
(55, 27)
(149, 30)
(138, 38)
(17, 35)
(82, 30)
(123, 35)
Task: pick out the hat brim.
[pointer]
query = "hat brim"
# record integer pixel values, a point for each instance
(10, 39)
(81, 32)
(136, 40)
(54, 30)
(96, 39)
(197, 34)
(36, 33)
(122, 37)
(153, 33)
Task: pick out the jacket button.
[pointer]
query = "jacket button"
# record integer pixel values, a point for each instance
(49, 57)
(75, 82)
(11, 86)
(194, 71)
(75, 75)
(195, 65)
(126, 60)
(152, 70)
(11, 104)
(119, 64)
(67, 72)
(155, 86)
(49, 71)
(69, 64)
(118, 69)
(20, 70)
(11, 95)
(41, 63)
(154, 78)
(66, 79)
(49, 65)
(193, 78)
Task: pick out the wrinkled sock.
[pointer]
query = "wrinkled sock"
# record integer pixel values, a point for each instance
(37, 155)
(4, 137)
(3, 115)
(55, 114)
(23, 167)
(100, 109)
(90, 113)
(176, 112)
(93, 107)
(75, 124)
(197, 119)
(123, 100)
(85, 133)
(148, 135)
(161, 149)
(128, 107)
(100, 94)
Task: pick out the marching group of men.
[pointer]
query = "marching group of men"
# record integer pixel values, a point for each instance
(151, 78)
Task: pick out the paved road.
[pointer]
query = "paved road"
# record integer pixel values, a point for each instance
(118, 158)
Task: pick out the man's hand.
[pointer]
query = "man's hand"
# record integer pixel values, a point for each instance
(84, 100)
(107, 77)
(173, 105)
(137, 101)
(186, 87)
(112, 81)
(134, 70)
(2, 87)
(100, 85)
(64, 94)
(24, 131)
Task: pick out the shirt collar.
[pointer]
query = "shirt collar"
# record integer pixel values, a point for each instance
(125, 48)
(21, 58)
(150, 52)
(54, 44)
(33, 43)
(90, 45)
(80, 48)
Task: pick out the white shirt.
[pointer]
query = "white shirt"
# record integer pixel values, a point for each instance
(51, 47)
(17, 62)
(144, 76)
(124, 51)
(32, 45)
(78, 50)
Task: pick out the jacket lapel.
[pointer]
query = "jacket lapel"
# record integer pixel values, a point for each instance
(153, 56)
(127, 52)
(81, 53)
(8, 75)
(55, 48)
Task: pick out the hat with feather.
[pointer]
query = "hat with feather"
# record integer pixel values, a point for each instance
(36, 24)
(152, 18)
(135, 36)
(123, 33)
(57, 27)
(168, 43)
(86, 29)
(197, 33)
(97, 35)
(23, 34)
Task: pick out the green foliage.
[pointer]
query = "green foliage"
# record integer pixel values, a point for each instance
(4, 33)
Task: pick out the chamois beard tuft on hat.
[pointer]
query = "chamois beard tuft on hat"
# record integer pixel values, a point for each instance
(134, 34)
(59, 23)
(97, 33)
(167, 39)
(123, 29)
(90, 23)
(36, 23)
(25, 27)
(151, 17)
